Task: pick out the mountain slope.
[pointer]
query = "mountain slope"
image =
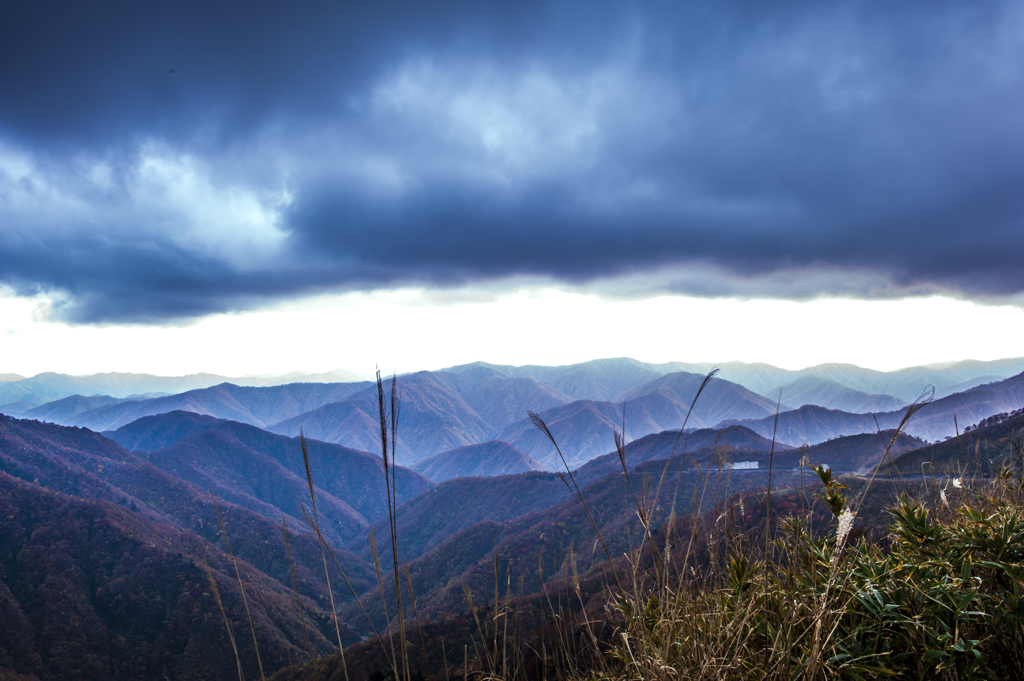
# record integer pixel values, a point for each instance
(854, 453)
(984, 450)
(451, 506)
(433, 418)
(583, 430)
(720, 400)
(601, 380)
(64, 410)
(532, 549)
(822, 392)
(811, 424)
(934, 421)
(501, 399)
(695, 445)
(243, 458)
(486, 459)
(161, 430)
(79, 462)
(91, 589)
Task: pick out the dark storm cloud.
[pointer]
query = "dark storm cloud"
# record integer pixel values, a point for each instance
(171, 160)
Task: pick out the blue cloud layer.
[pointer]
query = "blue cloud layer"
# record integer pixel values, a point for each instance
(168, 161)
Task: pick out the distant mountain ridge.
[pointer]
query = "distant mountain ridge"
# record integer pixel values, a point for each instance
(936, 420)
(255, 406)
(476, 403)
(814, 390)
(905, 384)
(50, 386)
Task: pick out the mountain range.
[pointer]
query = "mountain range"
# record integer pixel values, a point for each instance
(936, 420)
(50, 386)
(582, 404)
(114, 530)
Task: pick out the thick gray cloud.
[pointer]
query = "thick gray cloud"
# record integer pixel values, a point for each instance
(171, 160)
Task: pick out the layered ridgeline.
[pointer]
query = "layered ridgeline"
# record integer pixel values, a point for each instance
(49, 386)
(107, 537)
(935, 421)
(583, 404)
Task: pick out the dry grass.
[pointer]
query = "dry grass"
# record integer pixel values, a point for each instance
(735, 592)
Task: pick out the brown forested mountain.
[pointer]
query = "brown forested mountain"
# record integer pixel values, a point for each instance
(255, 463)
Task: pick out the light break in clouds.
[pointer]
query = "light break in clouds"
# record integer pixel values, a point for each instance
(407, 330)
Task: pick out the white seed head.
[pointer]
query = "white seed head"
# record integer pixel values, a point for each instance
(846, 519)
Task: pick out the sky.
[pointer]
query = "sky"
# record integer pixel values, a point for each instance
(264, 187)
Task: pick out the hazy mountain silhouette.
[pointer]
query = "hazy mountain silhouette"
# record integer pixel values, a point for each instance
(255, 406)
(720, 400)
(934, 421)
(966, 385)
(498, 398)
(600, 380)
(811, 389)
(433, 418)
(17, 408)
(905, 384)
(62, 411)
(486, 459)
(51, 386)
(583, 429)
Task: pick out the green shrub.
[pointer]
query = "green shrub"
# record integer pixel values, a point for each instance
(942, 598)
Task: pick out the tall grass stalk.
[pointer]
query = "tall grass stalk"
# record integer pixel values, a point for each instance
(389, 413)
(224, 614)
(724, 594)
(323, 556)
(241, 588)
(298, 598)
